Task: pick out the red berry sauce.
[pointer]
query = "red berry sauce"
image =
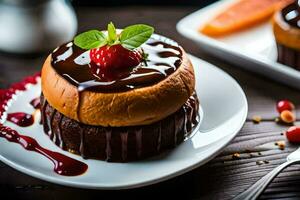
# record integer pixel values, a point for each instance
(6, 94)
(20, 119)
(63, 165)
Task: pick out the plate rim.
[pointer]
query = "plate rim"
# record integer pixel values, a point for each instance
(85, 185)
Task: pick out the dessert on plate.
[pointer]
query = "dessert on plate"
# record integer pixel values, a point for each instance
(118, 95)
(286, 27)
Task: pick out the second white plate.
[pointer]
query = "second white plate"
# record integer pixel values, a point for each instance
(253, 49)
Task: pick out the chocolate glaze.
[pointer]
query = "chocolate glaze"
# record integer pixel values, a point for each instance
(73, 63)
(35, 103)
(120, 144)
(288, 56)
(291, 14)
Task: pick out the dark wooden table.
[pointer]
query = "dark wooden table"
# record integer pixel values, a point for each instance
(223, 177)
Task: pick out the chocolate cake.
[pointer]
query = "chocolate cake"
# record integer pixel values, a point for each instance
(118, 102)
(119, 144)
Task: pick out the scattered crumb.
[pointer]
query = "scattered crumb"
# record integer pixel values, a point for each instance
(259, 162)
(259, 153)
(256, 119)
(251, 155)
(280, 144)
(277, 120)
(235, 156)
(281, 133)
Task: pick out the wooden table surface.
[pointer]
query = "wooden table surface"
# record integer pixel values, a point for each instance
(221, 178)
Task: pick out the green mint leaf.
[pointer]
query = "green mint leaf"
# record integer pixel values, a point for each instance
(112, 33)
(90, 39)
(134, 36)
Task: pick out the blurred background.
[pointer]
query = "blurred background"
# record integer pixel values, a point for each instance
(31, 29)
(27, 25)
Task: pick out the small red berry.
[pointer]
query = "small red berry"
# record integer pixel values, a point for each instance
(115, 57)
(284, 105)
(293, 134)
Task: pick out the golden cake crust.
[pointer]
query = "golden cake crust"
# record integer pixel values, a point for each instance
(140, 106)
(284, 33)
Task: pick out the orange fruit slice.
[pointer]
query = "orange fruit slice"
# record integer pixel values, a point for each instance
(241, 15)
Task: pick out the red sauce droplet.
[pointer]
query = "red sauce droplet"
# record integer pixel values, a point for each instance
(20, 119)
(36, 103)
(63, 165)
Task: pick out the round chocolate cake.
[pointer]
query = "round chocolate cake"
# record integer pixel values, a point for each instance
(118, 103)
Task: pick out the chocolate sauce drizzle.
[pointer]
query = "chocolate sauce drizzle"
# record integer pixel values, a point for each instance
(35, 103)
(121, 144)
(291, 14)
(73, 63)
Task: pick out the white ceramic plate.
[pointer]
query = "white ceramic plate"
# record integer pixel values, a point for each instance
(224, 110)
(253, 49)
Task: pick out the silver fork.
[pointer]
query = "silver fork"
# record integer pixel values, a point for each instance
(255, 190)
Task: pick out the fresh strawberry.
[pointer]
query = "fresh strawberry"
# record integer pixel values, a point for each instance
(115, 57)
(114, 54)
